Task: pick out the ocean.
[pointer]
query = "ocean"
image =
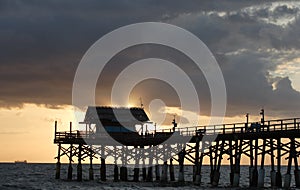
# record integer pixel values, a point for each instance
(42, 176)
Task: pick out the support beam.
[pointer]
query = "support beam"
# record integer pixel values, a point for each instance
(172, 176)
(103, 169)
(181, 156)
(278, 174)
(70, 169)
(273, 172)
(261, 172)
(79, 166)
(91, 170)
(58, 164)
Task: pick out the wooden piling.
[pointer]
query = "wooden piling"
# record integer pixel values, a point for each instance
(261, 173)
(91, 170)
(58, 164)
(116, 173)
(123, 173)
(272, 172)
(296, 172)
(181, 156)
(136, 170)
(230, 162)
(144, 170)
(278, 173)
(172, 176)
(164, 172)
(150, 174)
(157, 169)
(218, 158)
(237, 156)
(196, 165)
(116, 169)
(79, 166)
(103, 169)
(157, 172)
(70, 169)
(251, 168)
(150, 168)
(287, 176)
(255, 171)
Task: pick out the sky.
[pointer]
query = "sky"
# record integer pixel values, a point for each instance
(256, 44)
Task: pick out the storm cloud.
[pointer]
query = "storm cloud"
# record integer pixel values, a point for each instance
(42, 44)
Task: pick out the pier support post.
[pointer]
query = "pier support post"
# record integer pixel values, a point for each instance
(288, 176)
(236, 175)
(218, 158)
(150, 168)
(144, 170)
(278, 174)
(216, 178)
(211, 164)
(172, 176)
(123, 173)
(272, 172)
(296, 172)
(198, 174)
(123, 169)
(70, 169)
(116, 173)
(251, 168)
(57, 174)
(79, 166)
(157, 172)
(164, 174)
(58, 164)
(136, 170)
(255, 171)
(261, 176)
(196, 166)
(136, 173)
(150, 174)
(261, 172)
(230, 149)
(103, 165)
(103, 169)
(181, 156)
(297, 177)
(116, 169)
(91, 171)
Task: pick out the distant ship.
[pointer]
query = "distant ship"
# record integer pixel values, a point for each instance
(21, 162)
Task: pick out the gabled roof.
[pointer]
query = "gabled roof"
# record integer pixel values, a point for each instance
(104, 113)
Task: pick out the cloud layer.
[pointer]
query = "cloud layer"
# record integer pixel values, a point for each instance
(255, 43)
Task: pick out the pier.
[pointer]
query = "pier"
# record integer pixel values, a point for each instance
(276, 139)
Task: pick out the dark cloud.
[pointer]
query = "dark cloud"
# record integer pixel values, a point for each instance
(42, 42)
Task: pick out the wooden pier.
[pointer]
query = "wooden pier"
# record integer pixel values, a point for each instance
(276, 139)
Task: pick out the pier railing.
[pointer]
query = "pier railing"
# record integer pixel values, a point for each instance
(270, 125)
(253, 127)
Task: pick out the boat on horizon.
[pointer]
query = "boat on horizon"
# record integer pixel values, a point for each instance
(21, 162)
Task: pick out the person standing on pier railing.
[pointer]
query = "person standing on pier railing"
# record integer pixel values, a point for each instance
(254, 126)
(174, 124)
(247, 122)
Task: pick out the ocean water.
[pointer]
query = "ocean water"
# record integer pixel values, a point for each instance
(42, 176)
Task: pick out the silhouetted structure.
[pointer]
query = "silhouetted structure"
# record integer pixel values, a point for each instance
(255, 141)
